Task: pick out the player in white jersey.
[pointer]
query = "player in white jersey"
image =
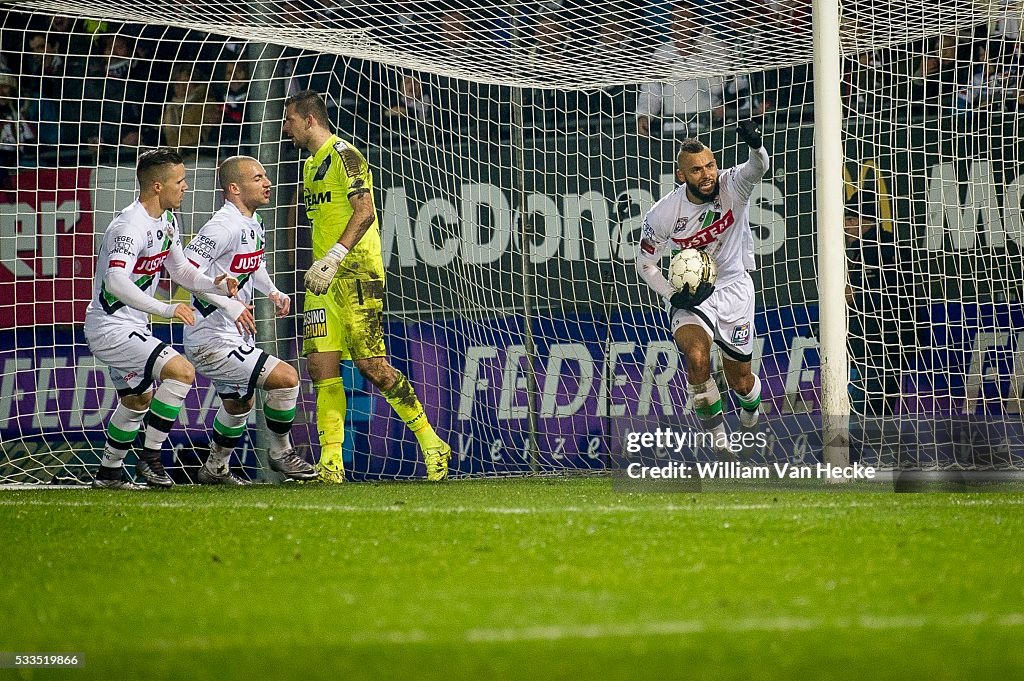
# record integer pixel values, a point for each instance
(232, 244)
(710, 211)
(140, 242)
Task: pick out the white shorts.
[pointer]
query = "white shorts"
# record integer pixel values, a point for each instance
(235, 368)
(727, 316)
(135, 357)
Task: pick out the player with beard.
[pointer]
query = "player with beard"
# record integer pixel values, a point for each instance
(710, 212)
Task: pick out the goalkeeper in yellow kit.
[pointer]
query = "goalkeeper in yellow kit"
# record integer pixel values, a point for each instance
(345, 288)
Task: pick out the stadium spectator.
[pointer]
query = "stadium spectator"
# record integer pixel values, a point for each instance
(548, 107)
(978, 84)
(786, 91)
(880, 294)
(412, 110)
(616, 40)
(1009, 79)
(461, 104)
(937, 73)
(690, 102)
(233, 97)
(41, 62)
(863, 81)
(112, 110)
(189, 117)
(54, 92)
(17, 132)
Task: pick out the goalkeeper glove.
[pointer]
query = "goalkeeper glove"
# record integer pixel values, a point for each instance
(319, 277)
(687, 299)
(749, 132)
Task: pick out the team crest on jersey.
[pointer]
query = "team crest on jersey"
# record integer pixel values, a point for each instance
(314, 323)
(741, 334)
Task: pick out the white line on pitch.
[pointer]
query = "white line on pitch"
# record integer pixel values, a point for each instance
(570, 632)
(238, 503)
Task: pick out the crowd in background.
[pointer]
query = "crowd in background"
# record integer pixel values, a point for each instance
(73, 89)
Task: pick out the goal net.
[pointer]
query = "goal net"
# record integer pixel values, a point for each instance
(515, 149)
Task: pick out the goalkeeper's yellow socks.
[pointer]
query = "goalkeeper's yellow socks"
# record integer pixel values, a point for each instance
(403, 400)
(330, 424)
(749, 405)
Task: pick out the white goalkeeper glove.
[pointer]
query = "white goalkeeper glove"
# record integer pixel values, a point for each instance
(321, 274)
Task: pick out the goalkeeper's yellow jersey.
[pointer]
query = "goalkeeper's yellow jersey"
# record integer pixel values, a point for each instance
(336, 171)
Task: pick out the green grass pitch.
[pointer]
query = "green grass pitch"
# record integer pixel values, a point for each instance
(530, 578)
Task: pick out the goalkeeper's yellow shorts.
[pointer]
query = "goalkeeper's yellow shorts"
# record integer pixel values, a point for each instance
(349, 319)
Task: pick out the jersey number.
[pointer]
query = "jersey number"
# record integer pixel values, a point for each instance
(242, 351)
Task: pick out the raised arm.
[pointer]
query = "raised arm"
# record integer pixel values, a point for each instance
(749, 174)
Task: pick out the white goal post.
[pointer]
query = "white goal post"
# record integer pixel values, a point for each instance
(516, 148)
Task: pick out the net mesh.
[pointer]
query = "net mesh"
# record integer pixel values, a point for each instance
(516, 148)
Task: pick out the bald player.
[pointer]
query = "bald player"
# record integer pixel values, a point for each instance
(232, 243)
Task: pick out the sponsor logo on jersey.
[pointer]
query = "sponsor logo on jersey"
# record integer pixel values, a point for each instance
(247, 262)
(203, 246)
(122, 248)
(313, 199)
(741, 334)
(709, 234)
(117, 263)
(647, 247)
(150, 265)
(314, 324)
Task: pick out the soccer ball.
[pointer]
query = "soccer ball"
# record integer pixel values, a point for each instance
(691, 267)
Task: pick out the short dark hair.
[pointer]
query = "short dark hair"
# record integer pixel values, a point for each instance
(691, 145)
(150, 167)
(309, 103)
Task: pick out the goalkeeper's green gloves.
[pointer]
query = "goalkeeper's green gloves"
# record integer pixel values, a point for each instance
(319, 277)
(687, 300)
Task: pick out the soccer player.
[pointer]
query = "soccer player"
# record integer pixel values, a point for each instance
(344, 305)
(710, 212)
(232, 244)
(140, 241)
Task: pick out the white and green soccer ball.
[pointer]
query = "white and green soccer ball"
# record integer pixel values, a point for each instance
(693, 267)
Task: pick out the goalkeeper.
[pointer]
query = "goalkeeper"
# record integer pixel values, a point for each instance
(344, 305)
(711, 212)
